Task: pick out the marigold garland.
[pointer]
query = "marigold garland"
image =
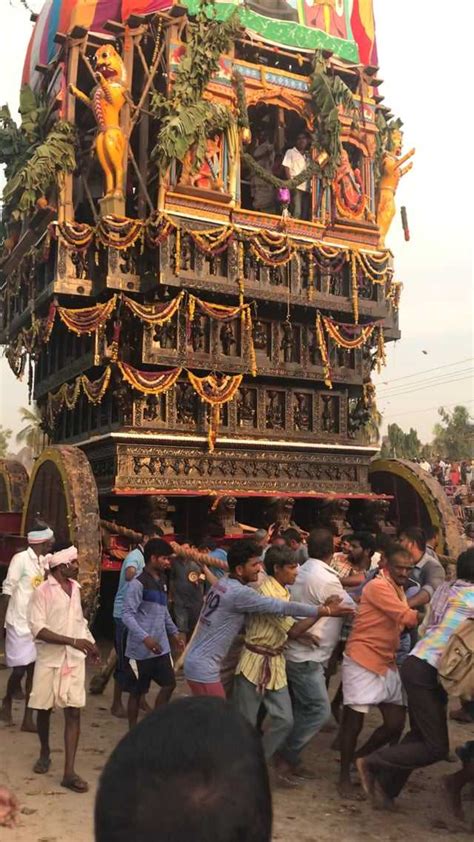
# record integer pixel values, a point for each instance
(154, 314)
(149, 382)
(76, 235)
(269, 247)
(118, 232)
(323, 351)
(335, 331)
(215, 391)
(68, 394)
(355, 288)
(87, 320)
(381, 357)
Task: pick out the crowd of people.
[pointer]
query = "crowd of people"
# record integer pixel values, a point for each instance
(265, 624)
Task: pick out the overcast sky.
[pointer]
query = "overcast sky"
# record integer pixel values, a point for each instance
(426, 72)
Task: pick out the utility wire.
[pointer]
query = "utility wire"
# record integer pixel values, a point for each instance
(435, 381)
(429, 386)
(427, 371)
(427, 409)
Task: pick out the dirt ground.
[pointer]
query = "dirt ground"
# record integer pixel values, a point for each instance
(311, 812)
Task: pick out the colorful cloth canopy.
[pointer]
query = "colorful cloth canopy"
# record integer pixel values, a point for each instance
(61, 16)
(346, 27)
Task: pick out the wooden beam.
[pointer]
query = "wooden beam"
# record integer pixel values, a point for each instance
(36, 228)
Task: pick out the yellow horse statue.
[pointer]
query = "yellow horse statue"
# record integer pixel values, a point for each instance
(106, 102)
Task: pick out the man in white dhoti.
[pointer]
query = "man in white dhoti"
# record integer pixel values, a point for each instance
(63, 642)
(25, 572)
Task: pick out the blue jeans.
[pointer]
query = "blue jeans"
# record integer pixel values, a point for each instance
(311, 707)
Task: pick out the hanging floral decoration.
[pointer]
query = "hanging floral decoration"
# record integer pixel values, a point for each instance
(222, 313)
(154, 314)
(347, 335)
(215, 390)
(149, 382)
(323, 350)
(118, 232)
(271, 249)
(76, 235)
(68, 394)
(355, 287)
(268, 247)
(157, 229)
(381, 357)
(375, 267)
(48, 328)
(87, 320)
(214, 241)
(394, 294)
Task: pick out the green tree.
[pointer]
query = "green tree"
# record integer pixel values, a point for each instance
(4, 438)
(401, 445)
(454, 436)
(31, 433)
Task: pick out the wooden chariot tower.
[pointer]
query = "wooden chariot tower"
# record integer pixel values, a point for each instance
(187, 340)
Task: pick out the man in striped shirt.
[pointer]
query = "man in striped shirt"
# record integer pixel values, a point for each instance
(261, 673)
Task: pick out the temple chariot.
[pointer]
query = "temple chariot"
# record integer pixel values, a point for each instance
(198, 310)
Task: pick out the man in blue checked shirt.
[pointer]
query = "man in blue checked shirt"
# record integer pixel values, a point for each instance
(146, 616)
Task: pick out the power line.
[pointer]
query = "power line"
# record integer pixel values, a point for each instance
(427, 371)
(429, 386)
(428, 409)
(430, 381)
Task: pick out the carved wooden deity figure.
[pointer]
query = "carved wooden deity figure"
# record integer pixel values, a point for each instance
(106, 102)
(227, 338)
(156, 507)
(392, 171)
(288, 341)
(222, 518)
(333, 515)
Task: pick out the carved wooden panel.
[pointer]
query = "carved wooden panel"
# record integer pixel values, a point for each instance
(167, 468)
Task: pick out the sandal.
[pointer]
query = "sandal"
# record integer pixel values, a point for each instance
(75, 783)
(42, 765)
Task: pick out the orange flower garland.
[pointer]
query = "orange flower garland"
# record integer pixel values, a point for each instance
(215, 391)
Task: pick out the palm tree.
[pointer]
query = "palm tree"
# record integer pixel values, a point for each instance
(372, 428)
(31, 434)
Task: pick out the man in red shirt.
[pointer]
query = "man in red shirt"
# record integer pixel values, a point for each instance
(369, 672)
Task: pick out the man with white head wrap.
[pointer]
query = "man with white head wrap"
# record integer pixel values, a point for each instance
(63, 641)
(25, 572)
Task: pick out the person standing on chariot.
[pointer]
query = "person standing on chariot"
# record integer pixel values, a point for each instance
(26, 572)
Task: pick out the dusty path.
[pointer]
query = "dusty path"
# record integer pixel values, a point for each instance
(312, 813)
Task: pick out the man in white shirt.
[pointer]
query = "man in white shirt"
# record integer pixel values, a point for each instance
(305, 659)
(25, 573)
(295, 162)
(64, 641)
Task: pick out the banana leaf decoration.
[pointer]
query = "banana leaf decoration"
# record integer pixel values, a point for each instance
(187, 119)
(55, 155)
(327, 94)
(33, 157)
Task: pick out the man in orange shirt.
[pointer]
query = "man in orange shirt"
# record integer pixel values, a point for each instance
(369, 672)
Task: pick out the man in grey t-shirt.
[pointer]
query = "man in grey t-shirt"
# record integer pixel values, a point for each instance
(223, 612)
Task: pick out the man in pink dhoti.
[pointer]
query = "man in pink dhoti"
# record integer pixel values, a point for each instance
(63, 642)
(26, 572)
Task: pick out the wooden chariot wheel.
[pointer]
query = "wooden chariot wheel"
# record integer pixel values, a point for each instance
(63, 492)
(13, 485)
(418, 500)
